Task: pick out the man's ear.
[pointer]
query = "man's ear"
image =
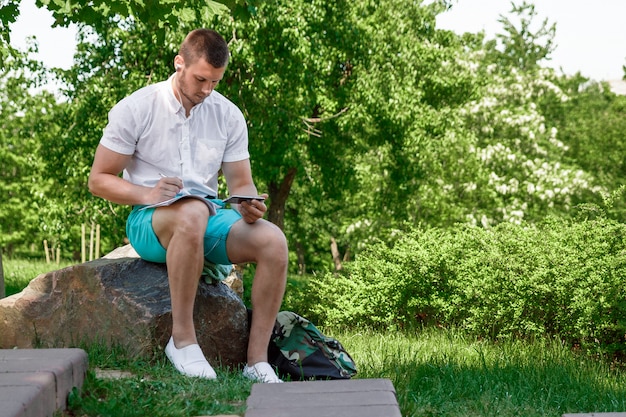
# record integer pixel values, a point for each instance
(179, 63)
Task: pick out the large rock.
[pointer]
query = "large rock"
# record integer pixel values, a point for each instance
(120, 301)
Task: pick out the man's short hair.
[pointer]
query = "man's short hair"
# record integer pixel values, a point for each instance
(205, 44)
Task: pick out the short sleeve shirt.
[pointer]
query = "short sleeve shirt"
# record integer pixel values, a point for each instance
(151, 125)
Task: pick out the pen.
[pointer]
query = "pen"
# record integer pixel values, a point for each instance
(165, 176)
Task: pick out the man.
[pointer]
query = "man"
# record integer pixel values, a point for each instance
(172, 138)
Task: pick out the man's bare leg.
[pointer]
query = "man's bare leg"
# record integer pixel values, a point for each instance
(180, 229)
(264, 244)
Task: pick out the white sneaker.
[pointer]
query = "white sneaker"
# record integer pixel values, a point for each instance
(189, 360)
(261, 372)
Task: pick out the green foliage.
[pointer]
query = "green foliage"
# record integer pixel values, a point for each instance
(523, 171)
(525, 46)
(104, 72)
(408, 82)
(288, 74)
(27, 116)
(592, 127)
(556, 278)
(160, 14)
(364, 119)
(437, 371)
(9, 10)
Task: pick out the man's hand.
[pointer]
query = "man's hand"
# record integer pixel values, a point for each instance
(253, 210)
(166, 188)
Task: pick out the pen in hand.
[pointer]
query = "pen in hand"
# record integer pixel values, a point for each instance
(180, 186)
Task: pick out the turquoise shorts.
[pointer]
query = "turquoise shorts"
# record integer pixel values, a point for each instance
(145, 242)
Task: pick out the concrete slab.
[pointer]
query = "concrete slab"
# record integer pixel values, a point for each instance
(36, 382)
(31, 393)
(343, 398)
(596, 415)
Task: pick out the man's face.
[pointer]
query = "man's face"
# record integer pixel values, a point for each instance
(197, 81)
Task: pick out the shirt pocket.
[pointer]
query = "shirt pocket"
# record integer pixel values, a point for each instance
(208, 157)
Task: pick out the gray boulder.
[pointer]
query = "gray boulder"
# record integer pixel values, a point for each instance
(122, 301)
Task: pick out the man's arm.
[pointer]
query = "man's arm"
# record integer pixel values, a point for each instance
(104, 181)
(238, 177)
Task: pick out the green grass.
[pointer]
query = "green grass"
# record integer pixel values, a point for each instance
(436, 372)
(19, 272)
(442, 372)
(154, 388)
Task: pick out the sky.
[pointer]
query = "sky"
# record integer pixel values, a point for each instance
(56, 45)
(590, 36)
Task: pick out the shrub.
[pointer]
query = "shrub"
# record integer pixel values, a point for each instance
(559, 278)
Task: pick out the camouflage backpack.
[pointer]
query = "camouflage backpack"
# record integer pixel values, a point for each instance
(299, 350)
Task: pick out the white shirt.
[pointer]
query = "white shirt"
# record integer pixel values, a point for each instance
(151, 125)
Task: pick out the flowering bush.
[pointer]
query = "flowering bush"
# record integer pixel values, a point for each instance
(521, 157)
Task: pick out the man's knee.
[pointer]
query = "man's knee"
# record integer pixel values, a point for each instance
(189, 218)
(276, 241)
(261, 242)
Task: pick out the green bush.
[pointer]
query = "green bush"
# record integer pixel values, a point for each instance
(560, 278)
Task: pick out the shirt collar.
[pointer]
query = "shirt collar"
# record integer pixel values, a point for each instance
(176, 106)
(171, 97)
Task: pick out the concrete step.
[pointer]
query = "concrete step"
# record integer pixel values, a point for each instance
(36, 382)
(339, 398)
(596, 415)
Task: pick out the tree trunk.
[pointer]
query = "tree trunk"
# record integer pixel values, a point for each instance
(300, 255)
(334, 250)
(278, 197)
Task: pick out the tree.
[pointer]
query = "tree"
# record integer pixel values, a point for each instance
(286, 74)
(410, 81)
(9, 10)
(525, 46)
(161, 15)
(26, 117)
(525, 173)
(117, 53)
(363, 116)
(323, 109)
(592, 127)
